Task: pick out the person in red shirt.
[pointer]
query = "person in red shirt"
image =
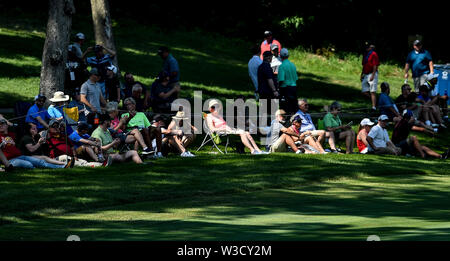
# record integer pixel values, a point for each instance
(268, 41)
(14, 155)
(369, 74)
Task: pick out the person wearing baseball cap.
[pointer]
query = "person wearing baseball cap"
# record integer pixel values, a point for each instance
(361, 140)
(369, 74)
(37, 114)
(421, 64)
(437, 99)
(76, 46)
(91, 95)
(268, 41)
(378, 138)
(287, 80)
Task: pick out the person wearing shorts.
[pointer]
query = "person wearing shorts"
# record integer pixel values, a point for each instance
(369, 74)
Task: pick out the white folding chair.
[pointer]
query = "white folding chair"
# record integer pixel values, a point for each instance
(209, 137)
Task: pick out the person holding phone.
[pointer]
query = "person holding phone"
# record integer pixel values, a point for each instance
(333, 124)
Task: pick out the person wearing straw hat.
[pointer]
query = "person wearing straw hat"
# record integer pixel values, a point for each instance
(361, 140)
(180, 133)
(55, 110)
(216, 123)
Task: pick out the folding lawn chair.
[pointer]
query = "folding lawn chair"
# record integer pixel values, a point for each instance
(213, 137)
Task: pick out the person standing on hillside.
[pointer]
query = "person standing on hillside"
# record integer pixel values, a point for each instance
(170, 65)
(268, 41)
(369, 74)
(253, 65)
(76, 46)
(421, 64)
(101, 61)
(287, 80)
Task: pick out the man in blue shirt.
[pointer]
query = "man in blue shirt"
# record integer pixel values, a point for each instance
(37, 114)
(170, 65)
(253, 65)
(387, 105)
(421, 64)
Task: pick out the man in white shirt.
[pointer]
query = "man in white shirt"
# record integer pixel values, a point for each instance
(253, 65)
(378, 139)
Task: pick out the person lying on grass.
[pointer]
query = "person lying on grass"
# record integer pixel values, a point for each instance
(410, 144)
(108, 143)
(307, 141)
(117, 128)
(333, 124)
(217, 124)
(87, 147)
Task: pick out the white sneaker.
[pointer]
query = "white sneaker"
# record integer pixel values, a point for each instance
(256, 152)
(184, 154)
(298, 152)
(190, 154)
(158, 155)
(434, 125)
(443, 126)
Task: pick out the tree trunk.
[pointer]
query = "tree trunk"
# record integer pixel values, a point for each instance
(54, 55)
(101, 18)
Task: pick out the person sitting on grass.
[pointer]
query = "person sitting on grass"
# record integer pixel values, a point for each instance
(430, 112)
(87, 147)
(175, 135)
(386, 105)
(217, 124)
(108, 143)
(32, 144)
(308, 142)
(378, 139)
(118, 125)
(8, 166)
(281, 137)
(138, 120)
(361, 140)
(14, 155)
(410, 144)
(333, 124)
(308, 125)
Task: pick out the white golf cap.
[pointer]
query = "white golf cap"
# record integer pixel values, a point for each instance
(383, 118)
(80, 36)
(366, 121)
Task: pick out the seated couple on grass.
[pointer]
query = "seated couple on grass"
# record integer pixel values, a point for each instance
(217, 124)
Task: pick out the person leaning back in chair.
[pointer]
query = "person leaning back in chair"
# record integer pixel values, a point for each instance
(216, 123)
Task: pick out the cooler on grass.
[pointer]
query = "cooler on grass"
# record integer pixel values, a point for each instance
(443, 84)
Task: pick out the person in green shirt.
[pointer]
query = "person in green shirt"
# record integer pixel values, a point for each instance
(108, 143)
(138, 120)
(333, 124)
(287, 80)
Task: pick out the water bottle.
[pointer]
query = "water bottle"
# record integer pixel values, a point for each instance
(96, 119)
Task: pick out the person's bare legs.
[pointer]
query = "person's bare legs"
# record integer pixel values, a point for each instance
(435, 111)
(247, 144)
(373, 98)
(125, 156)
(146, 135)
(321, 137)
(135, 135)
(90, 152)
(250, 138)
(289, 141)
(330, 136)
(349, 136)
(313, 143)
(417, 146)
(176, 142)
(155, 133)
(4, 160)
(49, 160)
(187, 139)
(431, 152)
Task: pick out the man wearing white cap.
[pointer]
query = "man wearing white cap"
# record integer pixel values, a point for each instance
(76, 46)
(112, 84)
(421, 64)
(378, 138)
(276, 61)
(361, 140)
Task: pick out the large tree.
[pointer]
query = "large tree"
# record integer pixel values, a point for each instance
(57, 39)
(101, 18)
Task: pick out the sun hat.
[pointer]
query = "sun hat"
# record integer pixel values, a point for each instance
(366, 121)
(213, 102)
(383, 118)
(59, 97)
(180, 116)
(280, 112)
